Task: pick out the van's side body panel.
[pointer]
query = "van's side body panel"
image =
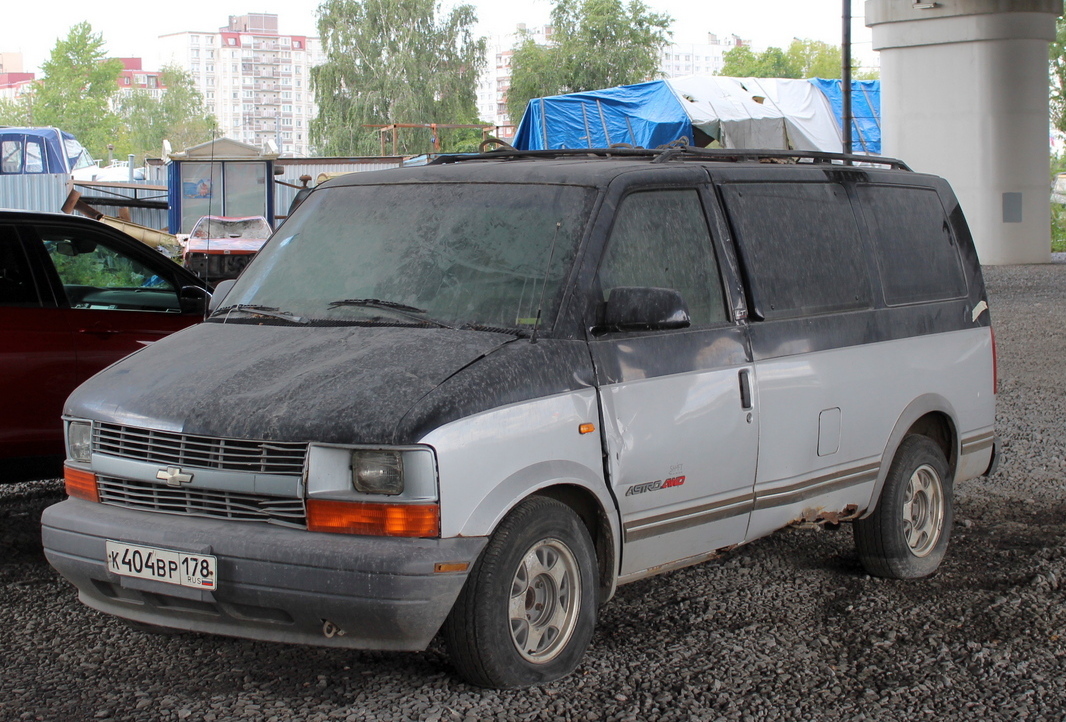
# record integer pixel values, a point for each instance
(813, 467)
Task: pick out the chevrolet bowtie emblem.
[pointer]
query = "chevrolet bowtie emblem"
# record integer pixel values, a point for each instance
(173, 476)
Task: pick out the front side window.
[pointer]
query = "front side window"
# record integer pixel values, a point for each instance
(458, 254)
(660, 240)
(96, 276)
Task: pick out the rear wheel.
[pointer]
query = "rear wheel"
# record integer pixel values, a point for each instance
(528, 609)
(907, 535)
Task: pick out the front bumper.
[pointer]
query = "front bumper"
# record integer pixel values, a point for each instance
(274, 584)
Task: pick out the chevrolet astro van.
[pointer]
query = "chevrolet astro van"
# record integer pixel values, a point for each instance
(475, 397)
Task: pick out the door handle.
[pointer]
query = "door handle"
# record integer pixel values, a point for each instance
(745, 389)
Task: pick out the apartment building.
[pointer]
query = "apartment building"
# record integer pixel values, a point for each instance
(679, 59)
(135, 77)
(675, 60)
(495, 79)
(14, 83)
(254, 79)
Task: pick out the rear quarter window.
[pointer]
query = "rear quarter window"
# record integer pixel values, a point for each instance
(916, 251)
(800, 248)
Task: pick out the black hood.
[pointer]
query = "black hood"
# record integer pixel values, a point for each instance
(349, 384)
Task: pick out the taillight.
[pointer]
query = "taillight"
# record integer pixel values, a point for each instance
(80, 484)
(373, 519)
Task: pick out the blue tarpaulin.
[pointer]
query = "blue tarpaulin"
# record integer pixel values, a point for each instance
(737, 112)
(646, 115)
(865, 111)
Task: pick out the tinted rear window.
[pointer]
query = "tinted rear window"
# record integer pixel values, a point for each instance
(800, 247)
(917, 255)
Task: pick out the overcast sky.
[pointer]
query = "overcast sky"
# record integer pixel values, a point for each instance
(129, 27)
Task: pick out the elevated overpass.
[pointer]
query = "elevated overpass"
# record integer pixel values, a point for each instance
(964, 94)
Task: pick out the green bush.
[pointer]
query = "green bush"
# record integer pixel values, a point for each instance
(1058, 228)
(1058, 210)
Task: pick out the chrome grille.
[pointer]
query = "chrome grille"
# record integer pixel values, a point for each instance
(204, 452)
(209, 503)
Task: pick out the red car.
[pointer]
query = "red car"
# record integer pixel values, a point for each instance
(75, 296)
(219, 247)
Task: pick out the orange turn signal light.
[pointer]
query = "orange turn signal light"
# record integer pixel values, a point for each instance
(80, 484)
(354, 517)
(586, 428)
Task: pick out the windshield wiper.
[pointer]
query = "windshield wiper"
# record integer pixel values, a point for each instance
(376, 303)
(255, 310)
(400, 309)
(520, 332)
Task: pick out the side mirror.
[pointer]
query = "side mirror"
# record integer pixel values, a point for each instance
(221, 290)
(193, 299)
(645, 309)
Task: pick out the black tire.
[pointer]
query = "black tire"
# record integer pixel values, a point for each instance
(540, 562)
(907, 535)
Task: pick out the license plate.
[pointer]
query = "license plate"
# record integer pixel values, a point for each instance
(162, 565)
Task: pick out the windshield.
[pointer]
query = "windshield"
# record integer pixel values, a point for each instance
(451, 254)
(215, 227)
(77, 156)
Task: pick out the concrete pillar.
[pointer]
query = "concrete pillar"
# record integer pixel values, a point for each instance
(964, 94)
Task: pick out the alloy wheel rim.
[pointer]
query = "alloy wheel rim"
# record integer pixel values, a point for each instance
(544, 601)
(923, 510)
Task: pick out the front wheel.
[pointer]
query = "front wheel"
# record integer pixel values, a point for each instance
(527, 612)
(907, 535)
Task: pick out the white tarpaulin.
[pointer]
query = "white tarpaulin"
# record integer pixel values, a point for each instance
(759, 112)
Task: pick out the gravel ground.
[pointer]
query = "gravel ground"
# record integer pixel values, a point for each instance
(788, 627)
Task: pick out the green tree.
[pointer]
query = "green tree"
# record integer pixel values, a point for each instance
(1057, 73)
(16, 112)
(177, 115)
(742, 62)
(596, 44)
(77, 84)
(803, 59)
(393, 61)
(816, 59)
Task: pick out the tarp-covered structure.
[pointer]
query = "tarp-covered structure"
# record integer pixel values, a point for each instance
(865, 111)
(770, 113)
(646, 115)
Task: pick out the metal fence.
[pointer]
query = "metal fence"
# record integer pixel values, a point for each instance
(34, 191)
(147, 203)
(315, 167)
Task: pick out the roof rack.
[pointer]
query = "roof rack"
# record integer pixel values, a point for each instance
(681, 152)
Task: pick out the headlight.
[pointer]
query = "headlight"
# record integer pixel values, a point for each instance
(79, 441)
(374, 474)
(377, 472)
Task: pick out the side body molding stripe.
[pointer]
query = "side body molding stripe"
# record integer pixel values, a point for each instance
(737, 506)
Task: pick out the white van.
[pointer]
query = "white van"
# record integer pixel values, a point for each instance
(473, 398)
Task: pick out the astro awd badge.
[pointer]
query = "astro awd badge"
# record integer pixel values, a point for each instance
(655, 485)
